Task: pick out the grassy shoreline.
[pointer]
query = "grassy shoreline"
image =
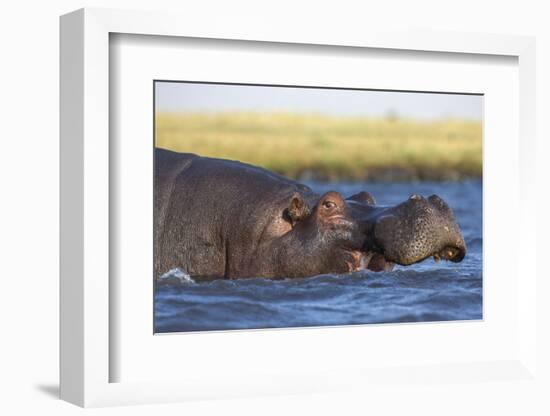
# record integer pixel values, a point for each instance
(312, 146)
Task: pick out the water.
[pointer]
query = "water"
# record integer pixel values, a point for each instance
(428, 291)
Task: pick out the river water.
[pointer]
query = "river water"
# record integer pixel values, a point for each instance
(425, 292)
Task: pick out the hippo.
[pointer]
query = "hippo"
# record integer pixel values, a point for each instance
(223, 219)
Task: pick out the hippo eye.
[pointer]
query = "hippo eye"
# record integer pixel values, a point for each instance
(329, 204)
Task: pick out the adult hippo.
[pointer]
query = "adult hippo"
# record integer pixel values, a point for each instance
(218, 218)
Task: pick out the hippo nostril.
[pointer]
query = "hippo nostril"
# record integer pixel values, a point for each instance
(415, 197)
(438, 203)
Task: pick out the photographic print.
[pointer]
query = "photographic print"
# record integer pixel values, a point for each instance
(288, 206)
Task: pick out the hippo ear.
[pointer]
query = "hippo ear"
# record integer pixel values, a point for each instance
(297, 209)
(364, 197)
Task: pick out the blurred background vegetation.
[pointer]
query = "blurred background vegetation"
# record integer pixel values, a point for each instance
(327, 147)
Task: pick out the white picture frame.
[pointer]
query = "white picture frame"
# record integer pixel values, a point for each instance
(86, 353)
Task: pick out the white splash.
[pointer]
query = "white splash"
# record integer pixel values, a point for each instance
(179, 274)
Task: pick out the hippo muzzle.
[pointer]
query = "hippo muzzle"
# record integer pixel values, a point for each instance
(412, 231)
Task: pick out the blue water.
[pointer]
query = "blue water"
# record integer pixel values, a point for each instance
(428, 291)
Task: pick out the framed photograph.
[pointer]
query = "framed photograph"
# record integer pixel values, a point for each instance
(265, 214)
(255, 212)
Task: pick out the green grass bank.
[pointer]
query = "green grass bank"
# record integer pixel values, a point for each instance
(310, 146)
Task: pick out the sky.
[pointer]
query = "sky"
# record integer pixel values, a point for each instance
(196, 97)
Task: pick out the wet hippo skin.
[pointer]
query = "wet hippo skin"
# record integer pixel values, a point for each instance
(218, 218)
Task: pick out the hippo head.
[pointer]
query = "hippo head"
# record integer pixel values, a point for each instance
(354, 234)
